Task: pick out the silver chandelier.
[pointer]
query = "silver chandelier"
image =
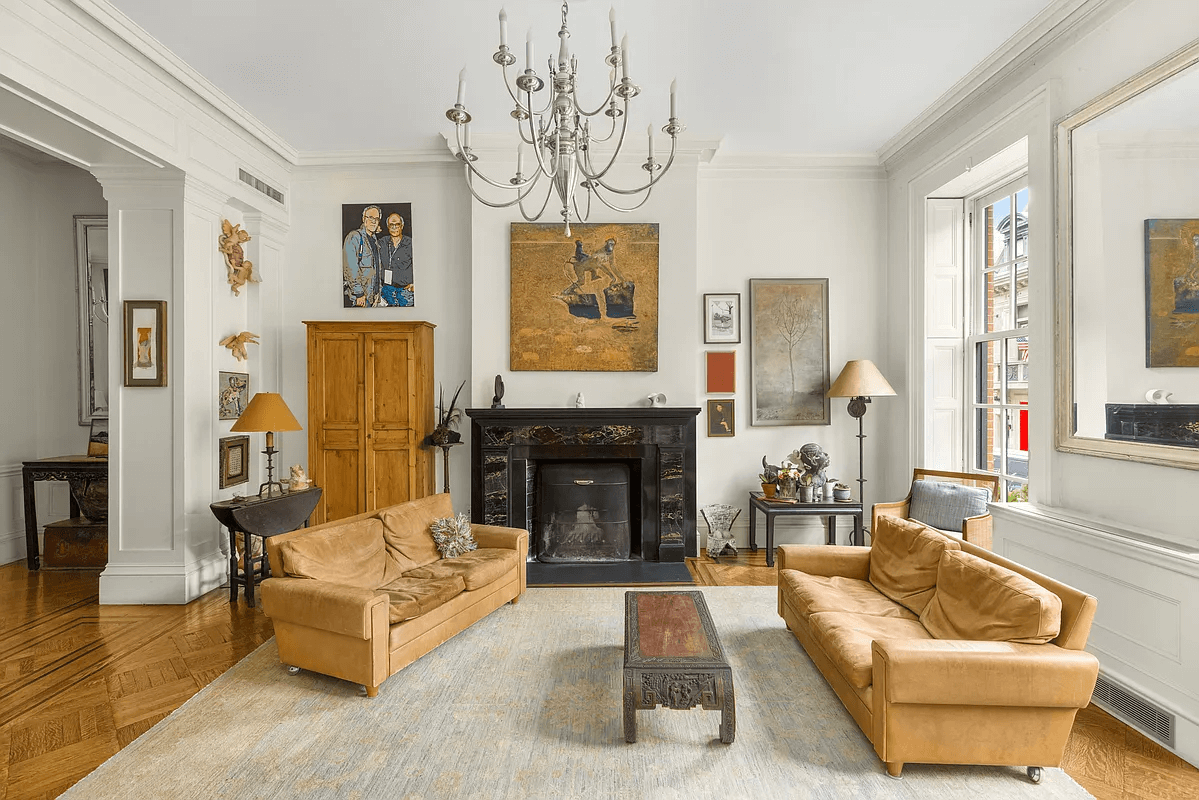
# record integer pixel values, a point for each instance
(560, 132)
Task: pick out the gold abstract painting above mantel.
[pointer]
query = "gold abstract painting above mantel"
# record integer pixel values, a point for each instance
(587, 303)
(1172, 292)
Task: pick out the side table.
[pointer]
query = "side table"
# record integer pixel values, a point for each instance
(829, 511)
(264, 517)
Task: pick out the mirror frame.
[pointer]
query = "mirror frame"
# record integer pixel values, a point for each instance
(87, 410)
(1065, 438)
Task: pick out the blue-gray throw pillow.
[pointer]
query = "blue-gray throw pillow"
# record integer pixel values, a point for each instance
(945, 505)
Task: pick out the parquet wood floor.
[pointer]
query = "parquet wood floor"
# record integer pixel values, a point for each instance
(79, 681)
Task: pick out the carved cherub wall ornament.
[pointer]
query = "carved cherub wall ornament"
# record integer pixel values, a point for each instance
(240, 269)
(237, 344)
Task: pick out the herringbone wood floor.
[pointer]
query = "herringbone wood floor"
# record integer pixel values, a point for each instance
(79, 681)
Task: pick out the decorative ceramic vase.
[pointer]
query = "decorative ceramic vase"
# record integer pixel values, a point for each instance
(768, 489)
(840, 494)
(787, 486)
(805, 493)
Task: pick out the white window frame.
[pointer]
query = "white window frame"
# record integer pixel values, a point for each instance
(976, 334)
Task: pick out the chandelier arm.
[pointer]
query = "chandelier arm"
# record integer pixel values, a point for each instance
(520, 196)
(588, 171)
(609, 136)
(648, 191)
(653, 180)
(537, 150)
(472, 170)
(527, 107)
(541, 211)
(574, 97)
(578, 215)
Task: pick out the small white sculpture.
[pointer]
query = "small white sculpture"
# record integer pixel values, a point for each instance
(579, 401)
(1159, 396)
(657, 399)
(299, 480)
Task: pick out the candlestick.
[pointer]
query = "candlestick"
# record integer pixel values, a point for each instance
(503, 28)
(612, 24)
(624, 56)
(529, 51)
(674, 85)
(462, 87)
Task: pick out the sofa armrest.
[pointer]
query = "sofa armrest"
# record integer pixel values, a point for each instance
(898, 509)
(333, 607)
(826, 560)
(953, 672)
(501, 537)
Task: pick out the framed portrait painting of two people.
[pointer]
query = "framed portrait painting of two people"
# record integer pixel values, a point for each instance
(376, 255)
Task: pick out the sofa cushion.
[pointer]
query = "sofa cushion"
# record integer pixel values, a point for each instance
(812, 593)
(477, 568)
(904, 555)
(945, 505)
(351, 554)
(411, 597)
(846, 639)
(978, 600)
(406, 530)
(453, 536)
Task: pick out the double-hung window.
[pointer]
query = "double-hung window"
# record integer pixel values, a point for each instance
(999, 341)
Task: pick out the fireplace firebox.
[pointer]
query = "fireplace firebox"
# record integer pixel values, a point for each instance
(512, 449)
(583, 512)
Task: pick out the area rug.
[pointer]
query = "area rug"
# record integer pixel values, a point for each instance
(526, 704)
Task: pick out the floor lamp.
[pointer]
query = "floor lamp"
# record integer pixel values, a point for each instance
(860, 380)
(267, 412)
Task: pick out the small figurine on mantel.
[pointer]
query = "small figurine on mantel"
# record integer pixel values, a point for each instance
(497, 401)
(299, 480)
(579, 401)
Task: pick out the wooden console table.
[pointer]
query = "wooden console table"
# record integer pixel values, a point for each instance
(829, 510)
(79, 471)
(264, 517)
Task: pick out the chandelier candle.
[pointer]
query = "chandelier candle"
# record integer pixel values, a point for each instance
(560, 130)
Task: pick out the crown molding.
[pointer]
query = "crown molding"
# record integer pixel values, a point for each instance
(366, 158)
(791, 165)
(195, 84)
(1024, 48)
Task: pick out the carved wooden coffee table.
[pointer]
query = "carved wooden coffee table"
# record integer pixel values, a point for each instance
(673, 658)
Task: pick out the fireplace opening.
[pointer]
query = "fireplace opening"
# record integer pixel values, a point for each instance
(583, 512)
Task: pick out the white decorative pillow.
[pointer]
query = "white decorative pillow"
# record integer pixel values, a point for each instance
(453, 536)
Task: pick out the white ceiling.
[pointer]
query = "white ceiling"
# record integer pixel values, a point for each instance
(789, 76)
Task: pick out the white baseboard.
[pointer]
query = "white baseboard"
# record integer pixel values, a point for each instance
(161, 584)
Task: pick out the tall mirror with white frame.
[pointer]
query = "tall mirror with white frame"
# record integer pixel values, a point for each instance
(91, 257)
(1128, 269)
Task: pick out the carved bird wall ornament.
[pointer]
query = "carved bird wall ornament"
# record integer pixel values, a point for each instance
(237, 344)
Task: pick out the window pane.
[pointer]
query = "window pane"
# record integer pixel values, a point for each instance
(1022, 294)
(1017, 442)
(997, 300)
(990, 429)
(989, 364)
(1016, 369)
(1017, 492)
(997, 241)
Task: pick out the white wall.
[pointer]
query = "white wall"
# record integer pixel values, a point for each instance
(777, 220)
(1108, 492)
(40, 400)
(443, 282)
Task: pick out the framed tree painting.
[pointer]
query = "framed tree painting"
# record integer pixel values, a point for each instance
(789, 368)
(588, 303)
(722, 318)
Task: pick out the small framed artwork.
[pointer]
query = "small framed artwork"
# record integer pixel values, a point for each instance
(97, 440)
(145, 349)
(235, 460)
(1171, 293)
(721, 418)
(233, 394)
(722, 372)
(722, 318)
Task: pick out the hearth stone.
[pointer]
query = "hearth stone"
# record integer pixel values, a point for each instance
(658, 444)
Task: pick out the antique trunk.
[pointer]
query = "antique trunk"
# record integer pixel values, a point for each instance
(76, 543)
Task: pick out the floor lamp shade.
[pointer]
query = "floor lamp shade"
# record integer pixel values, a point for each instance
(860, 379)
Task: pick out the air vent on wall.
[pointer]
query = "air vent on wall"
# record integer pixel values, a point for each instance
(260, 185)
(1138, 712)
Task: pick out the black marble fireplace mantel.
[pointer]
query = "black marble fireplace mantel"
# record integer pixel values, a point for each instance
(508, 444)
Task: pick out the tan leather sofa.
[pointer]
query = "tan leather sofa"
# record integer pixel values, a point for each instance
(361, 598)
(988, 669)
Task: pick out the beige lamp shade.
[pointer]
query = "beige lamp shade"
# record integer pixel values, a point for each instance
(266, 412)
(858, 378)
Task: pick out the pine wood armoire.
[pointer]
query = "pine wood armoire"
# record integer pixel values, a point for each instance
(370, 403)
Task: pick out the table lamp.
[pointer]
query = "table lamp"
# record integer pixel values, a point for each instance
(859, 380)
(267, 412)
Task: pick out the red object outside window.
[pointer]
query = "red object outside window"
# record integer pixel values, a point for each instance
(1024, 427)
